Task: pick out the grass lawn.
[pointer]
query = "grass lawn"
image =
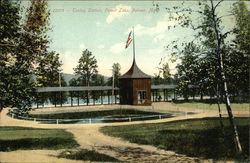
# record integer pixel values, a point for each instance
(14, 138)
(195, 137)
(212, 106)
(86, 155)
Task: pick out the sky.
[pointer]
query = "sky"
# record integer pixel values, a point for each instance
(102, 27)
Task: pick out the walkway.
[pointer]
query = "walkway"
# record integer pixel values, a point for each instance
(89, 137)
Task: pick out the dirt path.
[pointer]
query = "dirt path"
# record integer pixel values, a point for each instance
(89, 137)
(122, 150)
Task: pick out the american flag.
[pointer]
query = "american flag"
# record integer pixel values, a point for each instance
(129, 40)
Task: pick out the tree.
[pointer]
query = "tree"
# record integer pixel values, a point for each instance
(238, 60)
(48, 71)
(86, 68)
(34, 38)
(16, 85)
(116, 68)
(212, 47)
(188, 70)
(219, 42)
(49, 75)
(164, 70)
(74, 82)
(163, 75)
(97, 80)
(35, 41)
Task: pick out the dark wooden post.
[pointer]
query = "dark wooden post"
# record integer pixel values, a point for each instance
(42, 99)
(71, 99)
(157, 91)
(37, 100)
(101, 97)
(93, 97)
(153, 94)
(193, 93)
(78, 94)
(167, 94)
(61, 98)
(164, 94)
(174, 94)
(115, 96)
(201, 95)
(108, 98)
(87, 98)
(55, 99)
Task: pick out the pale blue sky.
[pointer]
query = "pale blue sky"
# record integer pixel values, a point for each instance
(104, 33)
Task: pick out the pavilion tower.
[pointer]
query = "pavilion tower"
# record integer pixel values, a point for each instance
(135, 87)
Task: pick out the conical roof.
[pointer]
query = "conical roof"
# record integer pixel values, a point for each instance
(134, 72)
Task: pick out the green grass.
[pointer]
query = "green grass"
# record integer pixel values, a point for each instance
(86, 155)
(196, 137)
(93, 114)
(14, 138)
(212, 106)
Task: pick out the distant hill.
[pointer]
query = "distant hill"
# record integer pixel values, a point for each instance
(68, 77)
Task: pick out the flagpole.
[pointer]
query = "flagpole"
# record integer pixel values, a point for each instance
(133, 45)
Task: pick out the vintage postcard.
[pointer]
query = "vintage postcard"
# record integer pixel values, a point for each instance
(124, 81)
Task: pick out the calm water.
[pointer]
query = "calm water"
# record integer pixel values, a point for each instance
(107, 119)
(103, 116)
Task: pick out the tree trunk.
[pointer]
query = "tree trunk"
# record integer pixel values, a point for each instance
(223, 77)
(201, 95)
(218, 104)
(88, 92)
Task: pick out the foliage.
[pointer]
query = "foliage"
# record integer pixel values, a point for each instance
(74, 82)
(204, 71)
(86, 68)
(116, 68)
(34, 37)
(14, 138)
(238, 59)
(46, 64)
(49, 75)
(97, 80)
(195, 137)
(16, 85)
(163, 75)
(211, 40)
(164, 70)
(49, 70)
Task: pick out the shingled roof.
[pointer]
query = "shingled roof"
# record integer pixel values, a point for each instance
(134, 72)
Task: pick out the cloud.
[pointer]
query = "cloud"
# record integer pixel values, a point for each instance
(116, 14)
(82, 46)
(158, 51)
(68, 62)
(101, 47)
(159, 38)
(159, 28)
(117, 48)
(98, 24)
(158, 31)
